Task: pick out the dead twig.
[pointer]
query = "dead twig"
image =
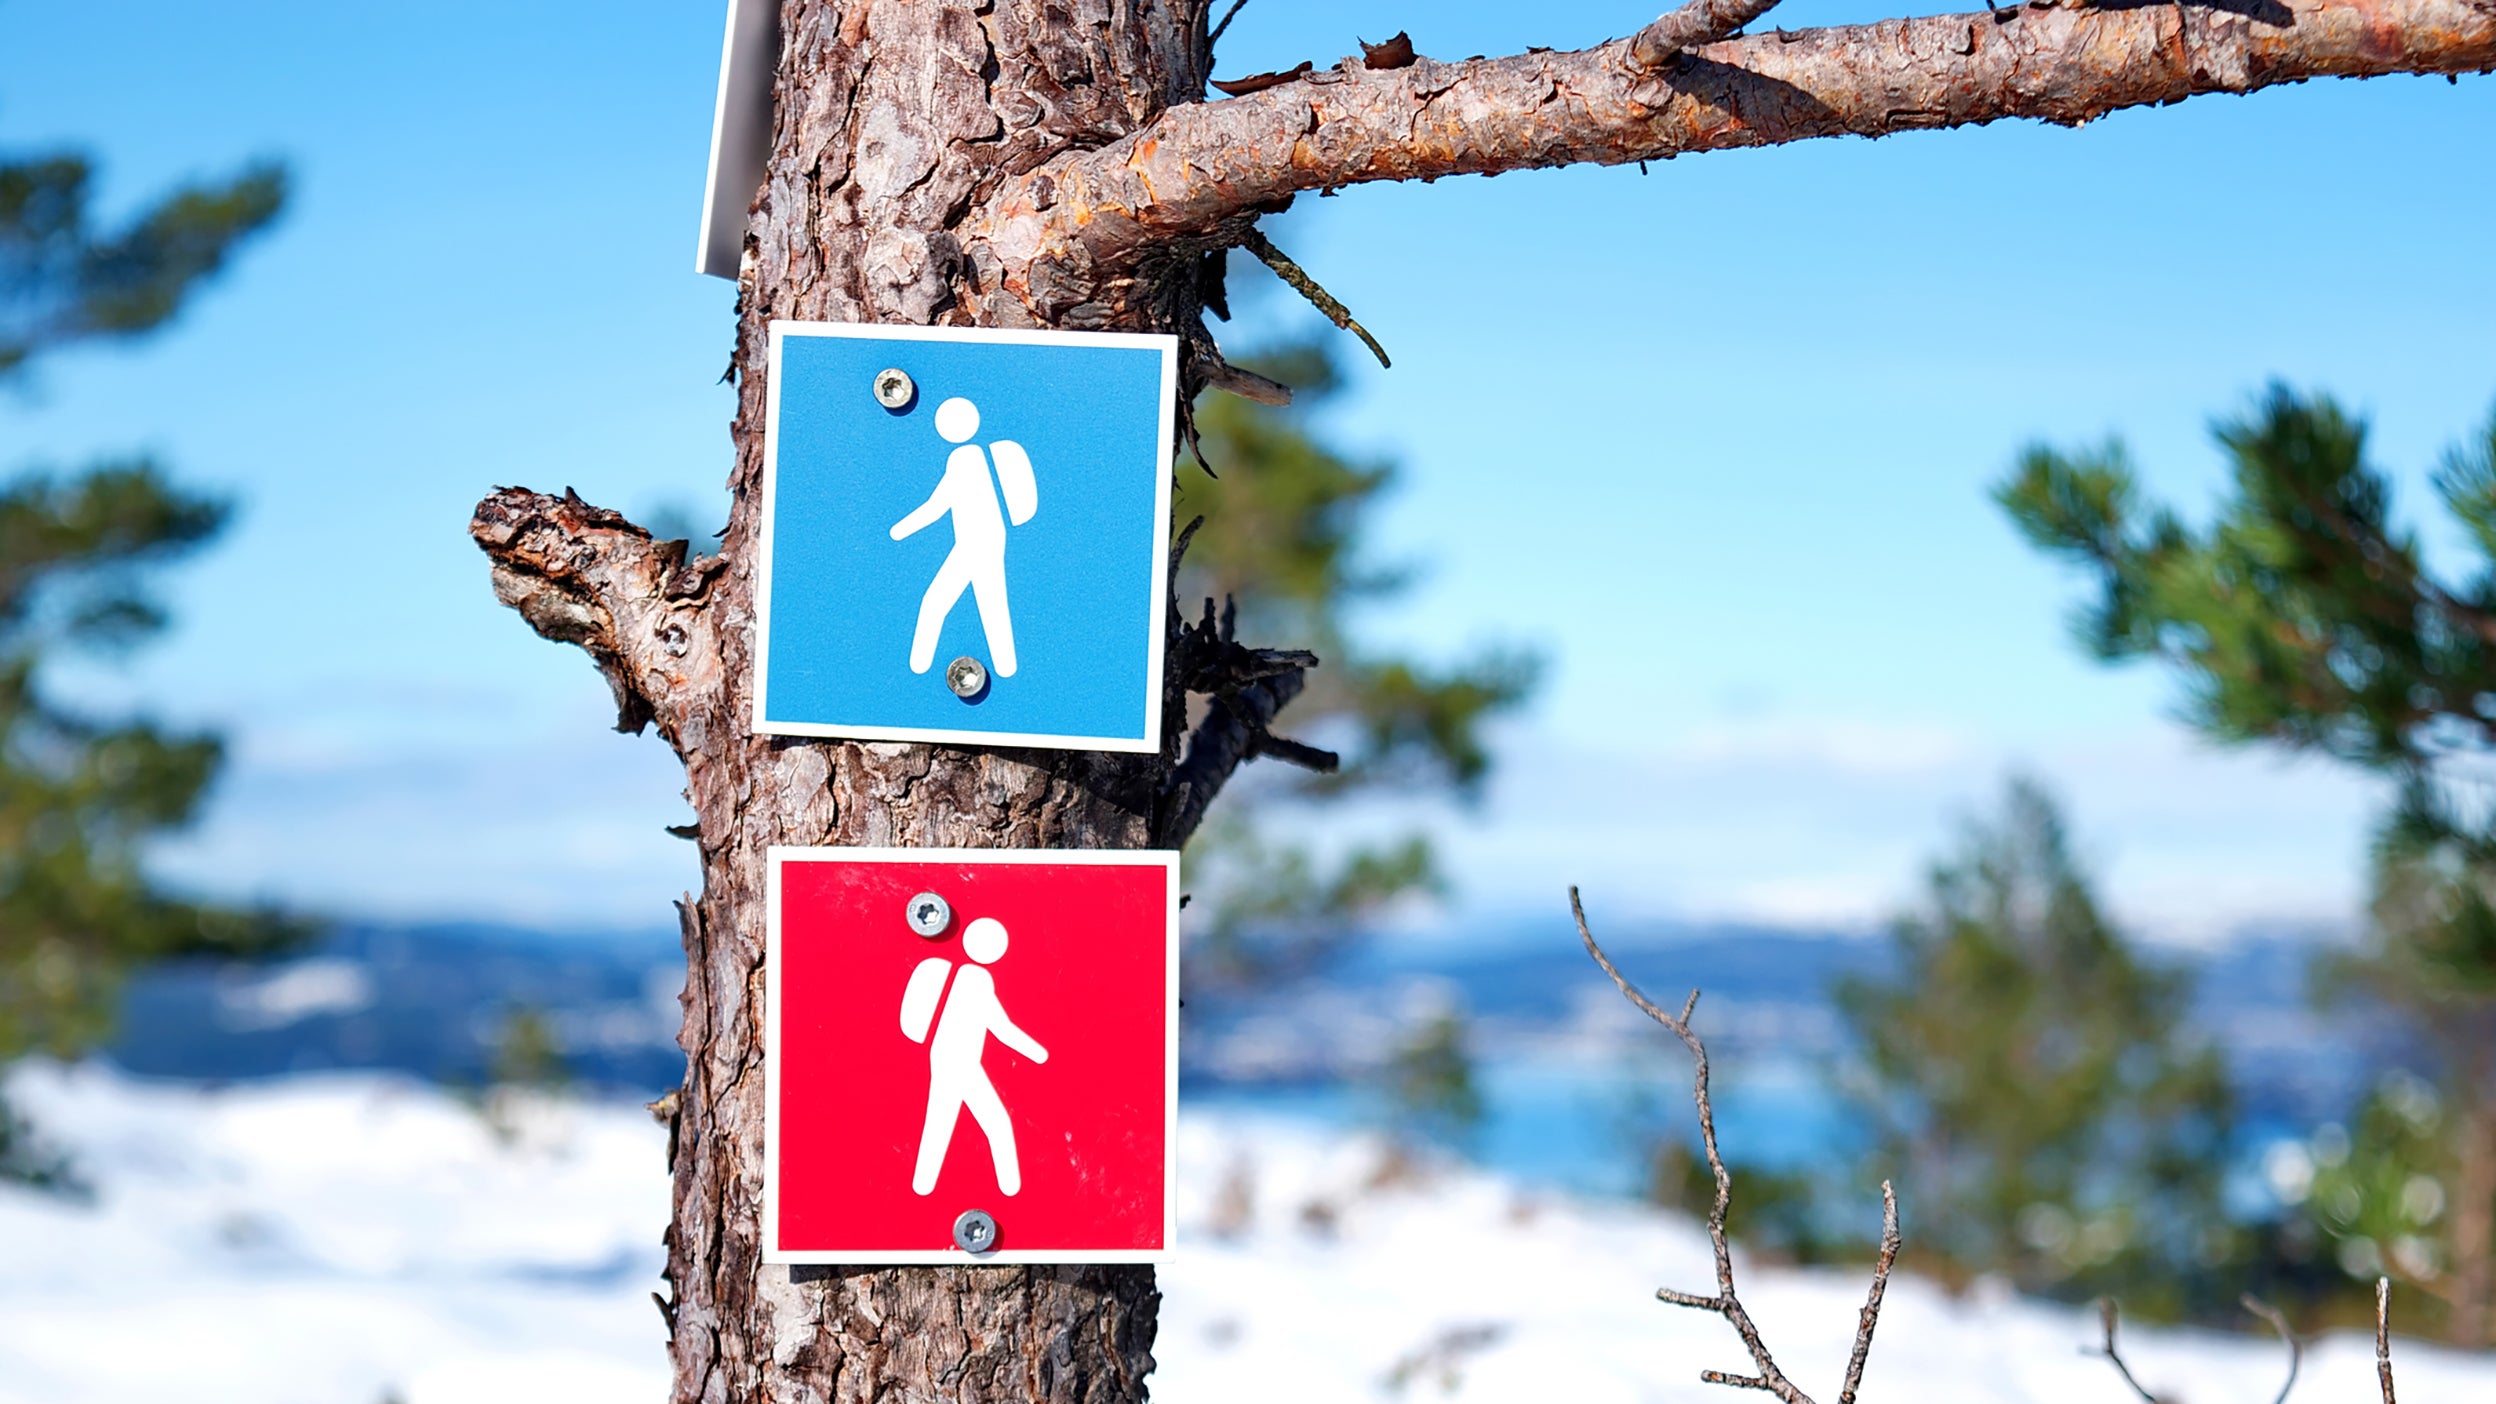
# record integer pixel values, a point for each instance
(1227, 16)
(2383, 1337)
(1301, 283)
(1246, 688)
(1443, 1357)
(1697, 23)
(2114, 1356)
(1871, 1314)
(1727, 1302)
(2279, 1322)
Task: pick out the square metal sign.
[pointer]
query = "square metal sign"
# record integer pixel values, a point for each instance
(965, 536)
(971, 1055)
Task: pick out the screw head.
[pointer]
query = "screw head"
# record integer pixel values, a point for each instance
(975, 1231)
(894, 390)
(967, 676)
(930, 915)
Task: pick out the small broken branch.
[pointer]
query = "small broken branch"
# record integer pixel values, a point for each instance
(1249, 688)
(2113, 1355)
(2279, 1322)
(584, 575)
(1246, 384)
(1870, 1316)
(1297, 753)
(1727, 1302)
(1698, 23)
(2383, 1337)
(1256, 243)
(1227, 16)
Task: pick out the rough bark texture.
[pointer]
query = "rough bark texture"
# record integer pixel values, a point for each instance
(893, 119)
(1204, 164)
(1050, 163)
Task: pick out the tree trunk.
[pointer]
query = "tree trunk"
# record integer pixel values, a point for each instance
(893, 118)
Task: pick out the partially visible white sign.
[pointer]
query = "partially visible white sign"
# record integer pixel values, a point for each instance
(740, 132)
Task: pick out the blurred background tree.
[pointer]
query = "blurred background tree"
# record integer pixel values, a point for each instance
(1285, 538)
(2031, 1078)
(2303, 616)
(81, 795)
(1431, 1082)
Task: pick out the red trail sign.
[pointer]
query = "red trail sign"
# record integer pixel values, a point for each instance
(971, 1055)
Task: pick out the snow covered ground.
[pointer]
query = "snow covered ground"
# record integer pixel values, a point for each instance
(346, 1239)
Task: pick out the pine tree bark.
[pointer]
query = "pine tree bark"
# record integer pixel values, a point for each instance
(893, 118)
(942, 161)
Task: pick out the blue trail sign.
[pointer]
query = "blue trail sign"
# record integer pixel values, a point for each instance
(965, 536)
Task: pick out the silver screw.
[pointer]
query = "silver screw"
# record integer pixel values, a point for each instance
(893, 389)
(966, 676)
(930, 915)
(975, 1231)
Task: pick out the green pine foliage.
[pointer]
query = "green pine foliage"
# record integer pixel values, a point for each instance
(2306, 616)
(64, 280)
(2303, 614)
(81, 795)
(1431, 1087)
(1284, 536)
(2379, 1188)
(2035, 1093)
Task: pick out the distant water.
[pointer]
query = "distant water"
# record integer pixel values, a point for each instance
(1591, 1129)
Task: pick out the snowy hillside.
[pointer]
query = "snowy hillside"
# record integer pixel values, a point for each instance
(347, 1238)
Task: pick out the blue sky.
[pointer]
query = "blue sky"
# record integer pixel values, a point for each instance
(1715, 437)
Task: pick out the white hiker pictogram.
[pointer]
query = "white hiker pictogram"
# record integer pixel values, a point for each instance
(956, 1081)
(977, 561)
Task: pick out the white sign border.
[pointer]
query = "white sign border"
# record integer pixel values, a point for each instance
(1149, 743)
(778, 856)
(740, 134)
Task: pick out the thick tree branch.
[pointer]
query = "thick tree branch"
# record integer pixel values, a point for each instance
(1202, 164)
(1727, 1302)
(584, 575)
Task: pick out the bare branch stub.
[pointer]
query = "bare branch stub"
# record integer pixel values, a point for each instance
(1248, 689)
(1727, 1301)
(2113, 1355)
(1301, 283)
(2383, 1337)
(584, 575)
(1697, 23)
(1228, 15)
(1871, 1315)
(2278, 1322)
